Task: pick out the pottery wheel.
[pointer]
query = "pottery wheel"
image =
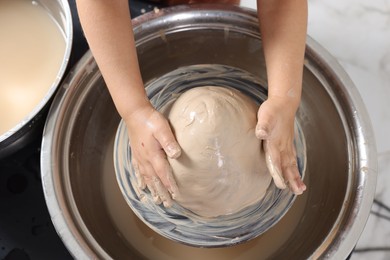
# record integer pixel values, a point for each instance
(179, 223)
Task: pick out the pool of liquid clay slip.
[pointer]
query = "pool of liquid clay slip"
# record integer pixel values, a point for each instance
(32, 48)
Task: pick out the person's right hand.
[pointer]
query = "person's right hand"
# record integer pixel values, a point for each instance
(151, 141)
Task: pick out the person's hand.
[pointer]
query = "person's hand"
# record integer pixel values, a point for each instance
(151, 141)
(275, 127)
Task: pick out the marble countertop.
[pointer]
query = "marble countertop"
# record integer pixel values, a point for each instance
(357, 34)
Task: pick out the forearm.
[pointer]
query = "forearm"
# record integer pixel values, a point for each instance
(283, 26)
(107, 27)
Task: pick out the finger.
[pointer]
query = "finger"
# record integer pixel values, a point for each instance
(162, 192)
(291, 172)
(167, 141)
(265, 123)
(149, 176)
(164, 171)
(294, 180)
(153, 191)
(140, 179)
(272, 158)
(292, 176)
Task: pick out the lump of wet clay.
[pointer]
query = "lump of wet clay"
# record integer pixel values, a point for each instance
(222, 167)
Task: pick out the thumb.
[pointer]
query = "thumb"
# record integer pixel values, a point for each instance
(265, 123)
(168, 142)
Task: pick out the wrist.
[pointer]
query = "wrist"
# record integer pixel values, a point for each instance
(136, 106)
(290, 96)
(286, 103)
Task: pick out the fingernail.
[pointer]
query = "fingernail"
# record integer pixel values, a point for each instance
(174, 193)
(140, 180)
(141, 183)
(300, 189)
(142, 198)
(173, 151)
(261, 133)
(157, 200)
(173, 189)
(167, 204)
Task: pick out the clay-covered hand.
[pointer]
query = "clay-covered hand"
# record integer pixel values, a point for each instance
(151, 141)
(275, 127)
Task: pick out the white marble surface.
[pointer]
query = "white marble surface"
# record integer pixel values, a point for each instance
(357, 34)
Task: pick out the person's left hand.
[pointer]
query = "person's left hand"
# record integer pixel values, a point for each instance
(275, 127)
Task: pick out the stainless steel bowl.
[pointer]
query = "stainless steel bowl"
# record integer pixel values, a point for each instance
(81, 192)
(27, 129)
